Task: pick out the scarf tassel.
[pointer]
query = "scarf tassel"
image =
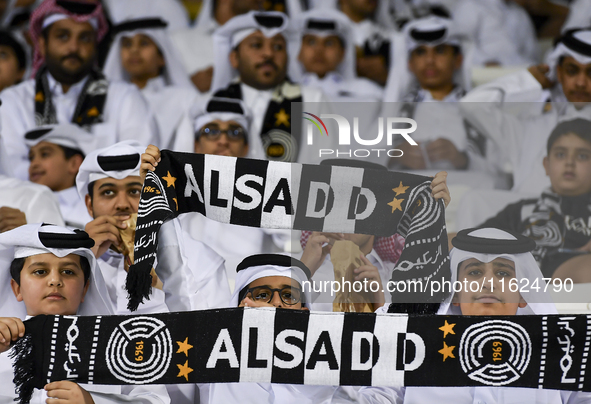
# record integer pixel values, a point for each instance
(139, 287)
(24, 368)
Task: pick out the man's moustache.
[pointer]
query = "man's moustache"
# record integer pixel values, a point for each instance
(73, 56)
(267, 64)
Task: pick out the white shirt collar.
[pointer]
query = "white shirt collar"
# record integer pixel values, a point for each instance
(68, 197)
(56, 88)
(154, 85)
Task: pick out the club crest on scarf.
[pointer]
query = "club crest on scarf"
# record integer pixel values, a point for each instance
(277, 195)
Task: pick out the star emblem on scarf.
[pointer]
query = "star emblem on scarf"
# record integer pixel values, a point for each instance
(184, 370)
(184, 346)
(447, 351)
(447, 329)
(396, 204)
(170, 180)
(93, 112)
(177, 203)
(400, 189)
(282, 118)
(39, 97)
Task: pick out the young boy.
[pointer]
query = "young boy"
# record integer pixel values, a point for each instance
(54, 272)
(327, 57)
(268, 280)
(558, 220)
(193, 274)
(143, 54)
(55, 155)
(480, 255)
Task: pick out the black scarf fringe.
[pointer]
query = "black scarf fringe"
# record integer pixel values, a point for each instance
(23, 365)
(139, 287)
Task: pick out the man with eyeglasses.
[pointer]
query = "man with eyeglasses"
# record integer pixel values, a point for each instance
(220, 127)
(268, 280)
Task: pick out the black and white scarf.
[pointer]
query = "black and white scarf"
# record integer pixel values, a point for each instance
(90, 106)
(269, 194)
(280, 139)
(298, 347)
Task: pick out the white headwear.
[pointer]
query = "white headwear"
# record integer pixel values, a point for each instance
(174, 72)
(263, 265)
(491, 241)
(118, 161)
(575, 43)
(34, 239)
(65, 134)
(224, 109)
(234, 31)
(329, 22)
(206, 14)
(431, 31)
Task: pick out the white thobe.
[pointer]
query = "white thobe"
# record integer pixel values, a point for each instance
(126, 116)
(233, 242)
(522, 141)
(171, 11)
(171, 106)
(73, 208)
(264, 393)
(337, 89)
(323, 300)
(457, 395)
(484, 23)
(258, 102)
(37, 201)
(579, 15)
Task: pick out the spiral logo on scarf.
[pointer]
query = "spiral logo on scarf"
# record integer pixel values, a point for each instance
(495, 352)
(139, 350)
(158, 199)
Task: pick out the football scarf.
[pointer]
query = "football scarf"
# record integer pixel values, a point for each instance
(298, 347)
(279, 141)
(277, 195)
(90, 106)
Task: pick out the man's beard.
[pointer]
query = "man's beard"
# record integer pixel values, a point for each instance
(69, 77)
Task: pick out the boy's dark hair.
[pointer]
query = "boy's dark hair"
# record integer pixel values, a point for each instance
(17, 265)
(91, 189)
(580, 127)
(70, 152)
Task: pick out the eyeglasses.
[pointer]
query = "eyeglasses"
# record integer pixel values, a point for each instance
(288, 295)
(233, 133)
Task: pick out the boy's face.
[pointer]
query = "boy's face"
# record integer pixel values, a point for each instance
(51, 285)
(497, 300)
(9, 69)
(569, 165)
(114, 197)
(48, 166)
(261, 61)
(575, 79)
(321, 55)
(259, 297)
(222, 144)
(141, 57)
(434, 66)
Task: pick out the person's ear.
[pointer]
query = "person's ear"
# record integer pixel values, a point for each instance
(88, 202)
(74, 163)
(304, 308)
(546, 164)
(234, 58)
(16, 289)
(522, 303)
